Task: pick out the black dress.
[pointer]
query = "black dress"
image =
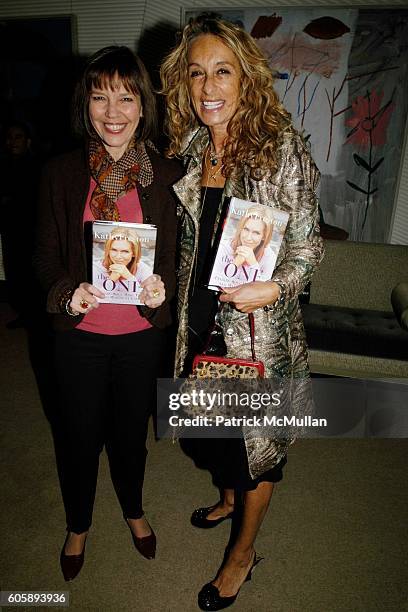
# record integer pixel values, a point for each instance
(225, 458)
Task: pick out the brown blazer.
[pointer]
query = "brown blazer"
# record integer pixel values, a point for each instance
(60, 258)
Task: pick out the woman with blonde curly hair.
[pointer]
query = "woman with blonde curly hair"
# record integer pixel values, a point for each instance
(226, 121)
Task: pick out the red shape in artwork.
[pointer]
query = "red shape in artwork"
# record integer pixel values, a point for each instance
(370, 120)
(326, 28)
(266, 26)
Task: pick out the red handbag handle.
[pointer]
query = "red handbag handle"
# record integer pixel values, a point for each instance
(251, 322)
(252, 332)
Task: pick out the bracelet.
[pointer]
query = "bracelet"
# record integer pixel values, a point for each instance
(69, 310)
(280, 300)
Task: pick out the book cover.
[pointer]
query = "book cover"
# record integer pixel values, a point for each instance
(122, 258)
(249, 244)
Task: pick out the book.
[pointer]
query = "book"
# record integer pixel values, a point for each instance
(249, 244)
(122, 258)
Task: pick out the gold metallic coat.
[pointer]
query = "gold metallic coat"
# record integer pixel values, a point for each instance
(279, 334)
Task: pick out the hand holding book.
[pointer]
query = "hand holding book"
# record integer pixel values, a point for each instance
(251, 296)
(84, 298)
(154, 292)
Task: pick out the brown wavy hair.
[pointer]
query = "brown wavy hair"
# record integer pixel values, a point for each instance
(255, 130)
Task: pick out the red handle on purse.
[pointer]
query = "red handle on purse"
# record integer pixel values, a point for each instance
(251, 321)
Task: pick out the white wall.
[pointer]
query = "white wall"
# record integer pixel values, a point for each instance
(103, 22)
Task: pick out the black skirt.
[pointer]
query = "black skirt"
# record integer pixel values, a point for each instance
(227, 461)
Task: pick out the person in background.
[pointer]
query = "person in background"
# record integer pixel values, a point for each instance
(225, 120)
(18, 195)
(107, 356)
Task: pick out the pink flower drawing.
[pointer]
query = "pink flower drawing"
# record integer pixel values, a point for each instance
(370, 120)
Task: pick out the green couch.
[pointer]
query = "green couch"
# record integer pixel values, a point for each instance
(352, 326)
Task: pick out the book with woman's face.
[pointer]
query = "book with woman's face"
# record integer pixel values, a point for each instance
(249, 244)
(122, 258)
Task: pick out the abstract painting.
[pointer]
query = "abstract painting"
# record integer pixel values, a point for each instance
(343, 75)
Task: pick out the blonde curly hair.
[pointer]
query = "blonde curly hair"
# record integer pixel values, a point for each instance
(255, 130)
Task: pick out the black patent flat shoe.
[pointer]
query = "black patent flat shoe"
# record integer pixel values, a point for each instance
(71, 565)
(209, 597)
(199, 518)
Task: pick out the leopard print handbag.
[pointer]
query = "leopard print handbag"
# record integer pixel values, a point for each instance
(211, 366)
(208, 366)
(208, 371)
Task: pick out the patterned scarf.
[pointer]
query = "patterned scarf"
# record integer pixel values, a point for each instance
(116, 178)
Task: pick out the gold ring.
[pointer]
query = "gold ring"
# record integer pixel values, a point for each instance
(155, 293)
(84, 304)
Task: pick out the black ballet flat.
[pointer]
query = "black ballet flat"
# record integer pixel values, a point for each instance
(199, 518)
(209, 597)
(71, 565)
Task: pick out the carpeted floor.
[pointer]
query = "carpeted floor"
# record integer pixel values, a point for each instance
(334, 540)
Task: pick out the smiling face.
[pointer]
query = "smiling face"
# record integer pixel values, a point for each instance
(252, 233)
(121, 252)
(17, 141)
(214, 77)
(115, 114)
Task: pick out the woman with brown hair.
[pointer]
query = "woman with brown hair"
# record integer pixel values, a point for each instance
(225, 120)
(107, 356)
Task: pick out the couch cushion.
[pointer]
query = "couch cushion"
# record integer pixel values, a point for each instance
(359, 332)
(399, 301)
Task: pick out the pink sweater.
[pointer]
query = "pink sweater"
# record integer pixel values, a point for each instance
(114, 319)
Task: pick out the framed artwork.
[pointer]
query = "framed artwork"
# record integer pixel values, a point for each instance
(343, 75)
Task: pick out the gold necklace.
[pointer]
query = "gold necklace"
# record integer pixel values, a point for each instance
(213, 162)
(214, 155)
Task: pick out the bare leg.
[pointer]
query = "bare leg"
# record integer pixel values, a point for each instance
(241, 555)
(140, 527)
(75, 543)
(225, 505)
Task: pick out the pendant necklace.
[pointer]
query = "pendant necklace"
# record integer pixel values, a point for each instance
(213, 163)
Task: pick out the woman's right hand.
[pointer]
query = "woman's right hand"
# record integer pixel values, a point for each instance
(84, 298)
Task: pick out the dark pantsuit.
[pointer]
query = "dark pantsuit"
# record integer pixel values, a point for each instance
(107, 392)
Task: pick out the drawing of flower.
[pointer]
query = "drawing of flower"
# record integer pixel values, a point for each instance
(370, 120)
(369, 125)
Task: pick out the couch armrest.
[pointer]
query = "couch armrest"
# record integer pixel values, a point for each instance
(399, 301)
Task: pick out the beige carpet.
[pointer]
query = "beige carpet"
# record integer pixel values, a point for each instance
(334, 540)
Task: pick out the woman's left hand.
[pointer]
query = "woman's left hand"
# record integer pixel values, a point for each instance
(250, 296)
(154, 293)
